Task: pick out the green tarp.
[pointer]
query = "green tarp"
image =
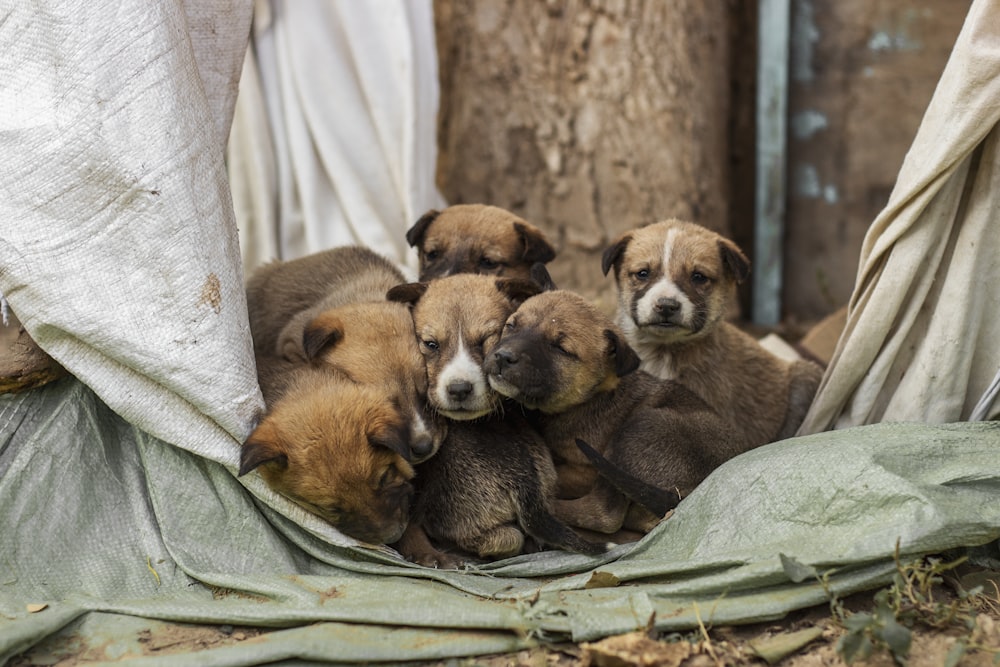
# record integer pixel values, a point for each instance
(117, 532)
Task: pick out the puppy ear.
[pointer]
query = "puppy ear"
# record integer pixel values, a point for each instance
(518, 289)
(261, 447)
(415, 234)
(734, 261)
(393, 440)
(613, 254)
(323, 331)
(406, 293)
(541, 276)
(536, 247)
(626, 360)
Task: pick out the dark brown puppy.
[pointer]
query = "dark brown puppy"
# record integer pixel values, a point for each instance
(473, 238)
(329, 310)
(561, 356)
(676, 282)
(491, 482)
(337, 448)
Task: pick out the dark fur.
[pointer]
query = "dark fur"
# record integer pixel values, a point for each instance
(561, 356)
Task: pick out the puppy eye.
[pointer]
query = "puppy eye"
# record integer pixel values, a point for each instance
(510, 325)
(699, 278)
(641, 274)
(487, 263)
(334, 510)
(430, 345)
(432, 254)
(561, 349)
(386, 479)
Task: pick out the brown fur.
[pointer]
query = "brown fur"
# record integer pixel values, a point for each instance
(561, 356)
(491, 482)
(457, 320)
(473, 238)
(329, 310)
(336, 448)
(283, 296)
(676, 282)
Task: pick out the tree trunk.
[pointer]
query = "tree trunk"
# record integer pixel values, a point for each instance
(586, 118)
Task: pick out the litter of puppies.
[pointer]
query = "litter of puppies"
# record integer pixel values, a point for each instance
(482, 412)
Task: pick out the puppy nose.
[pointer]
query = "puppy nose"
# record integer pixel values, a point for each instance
(667, 307)
(421, 445)
(504, 357)
(460, 390)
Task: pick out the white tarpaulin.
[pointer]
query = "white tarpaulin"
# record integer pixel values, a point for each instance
(922, 341)
(334, 138)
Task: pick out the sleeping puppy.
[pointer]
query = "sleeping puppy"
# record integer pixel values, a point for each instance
(560, 356)
(328, 310)
(339, 449)
(676, 281)
(473, 238)
(490, 484)
(283, 296)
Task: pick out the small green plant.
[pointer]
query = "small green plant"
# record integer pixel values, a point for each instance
(912, 600)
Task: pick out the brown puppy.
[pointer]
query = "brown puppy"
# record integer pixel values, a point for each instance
(337, 448)
(457, 319)
(329, 310)
(282, 297)
(473, 238)
(561, 356)
(491, 482)
(676, 280)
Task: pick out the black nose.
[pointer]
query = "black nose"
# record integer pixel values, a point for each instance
(421, 446)
(459, 390)
(504, 357)
(667, 307)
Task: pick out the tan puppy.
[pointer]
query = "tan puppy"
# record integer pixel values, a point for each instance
(676, 281)
(561, 356)
(337, 448)
(457, 319)
(283, 296)
(473, 238)
(329, 310)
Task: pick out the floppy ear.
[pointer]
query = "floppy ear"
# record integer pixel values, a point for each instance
(260, 448)
(734, 261)
(323, 331)
(540, 275)
(406, 293)
(393, 440)
(517, 289)
(613, 254)
(626, 360)
(415, 234)
(536, 247)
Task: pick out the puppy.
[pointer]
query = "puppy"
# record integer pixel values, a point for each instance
(329, 310)
(676, 280)
(283, 296)
(337, 448)
(457, 319)
(473, 238)
(491, 482)
(488, 488)
(560, 356)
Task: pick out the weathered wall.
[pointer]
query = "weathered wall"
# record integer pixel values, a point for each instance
(586, 117)
(861, 76)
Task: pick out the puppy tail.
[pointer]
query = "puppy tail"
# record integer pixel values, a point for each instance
(536, 520)
(653, 498)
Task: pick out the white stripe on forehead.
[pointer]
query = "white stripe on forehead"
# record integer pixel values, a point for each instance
(668, 246)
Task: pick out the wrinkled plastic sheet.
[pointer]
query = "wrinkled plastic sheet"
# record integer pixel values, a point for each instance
(119, 533)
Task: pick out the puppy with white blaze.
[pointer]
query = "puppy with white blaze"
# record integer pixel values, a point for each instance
(676, 284)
